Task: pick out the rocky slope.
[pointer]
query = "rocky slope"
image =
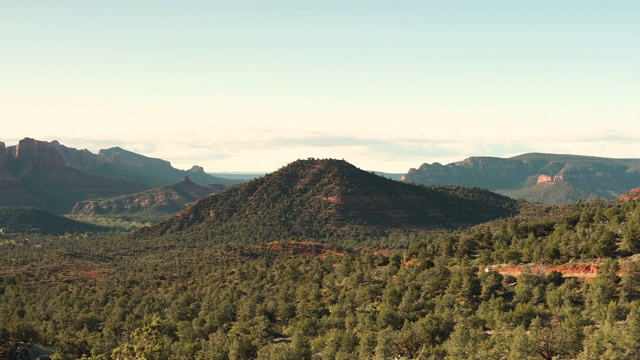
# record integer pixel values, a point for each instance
(548, 178)
(632, 195)
(314, 199)
(158, 202)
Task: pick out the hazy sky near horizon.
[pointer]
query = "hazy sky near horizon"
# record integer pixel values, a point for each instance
(386, 85)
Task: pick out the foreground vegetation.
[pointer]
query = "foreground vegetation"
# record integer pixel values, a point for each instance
(413, 295)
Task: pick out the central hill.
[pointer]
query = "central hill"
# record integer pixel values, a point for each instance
(322, 198)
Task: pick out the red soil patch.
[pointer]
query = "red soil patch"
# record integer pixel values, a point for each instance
(567, 270)
(96, 275)
(67, 271)
(412, 262)
(331, 199)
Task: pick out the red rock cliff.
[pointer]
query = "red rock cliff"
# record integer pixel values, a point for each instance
(37, 154)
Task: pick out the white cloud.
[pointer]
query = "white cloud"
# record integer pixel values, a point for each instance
(398, 154)
(268, 149)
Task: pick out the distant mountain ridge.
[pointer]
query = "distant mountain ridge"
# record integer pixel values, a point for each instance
(318, 198)
(54, 177)
(118, 162)
(547, 178)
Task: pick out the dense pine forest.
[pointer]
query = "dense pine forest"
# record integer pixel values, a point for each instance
(405, 295)
(319, 180)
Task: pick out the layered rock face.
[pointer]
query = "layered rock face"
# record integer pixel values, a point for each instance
(30, 154)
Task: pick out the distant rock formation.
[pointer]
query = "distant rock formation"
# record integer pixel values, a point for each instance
(530, 176)
(196, 169)
(54, 177)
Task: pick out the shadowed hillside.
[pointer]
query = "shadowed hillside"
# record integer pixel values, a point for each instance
(26, 219)
(154, 204)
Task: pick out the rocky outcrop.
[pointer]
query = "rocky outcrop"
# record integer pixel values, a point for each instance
(196, 169)
(546, 178)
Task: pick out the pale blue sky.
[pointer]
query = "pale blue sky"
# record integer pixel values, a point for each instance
(386, 85)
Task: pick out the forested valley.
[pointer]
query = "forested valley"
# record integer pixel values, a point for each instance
(405, 295)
